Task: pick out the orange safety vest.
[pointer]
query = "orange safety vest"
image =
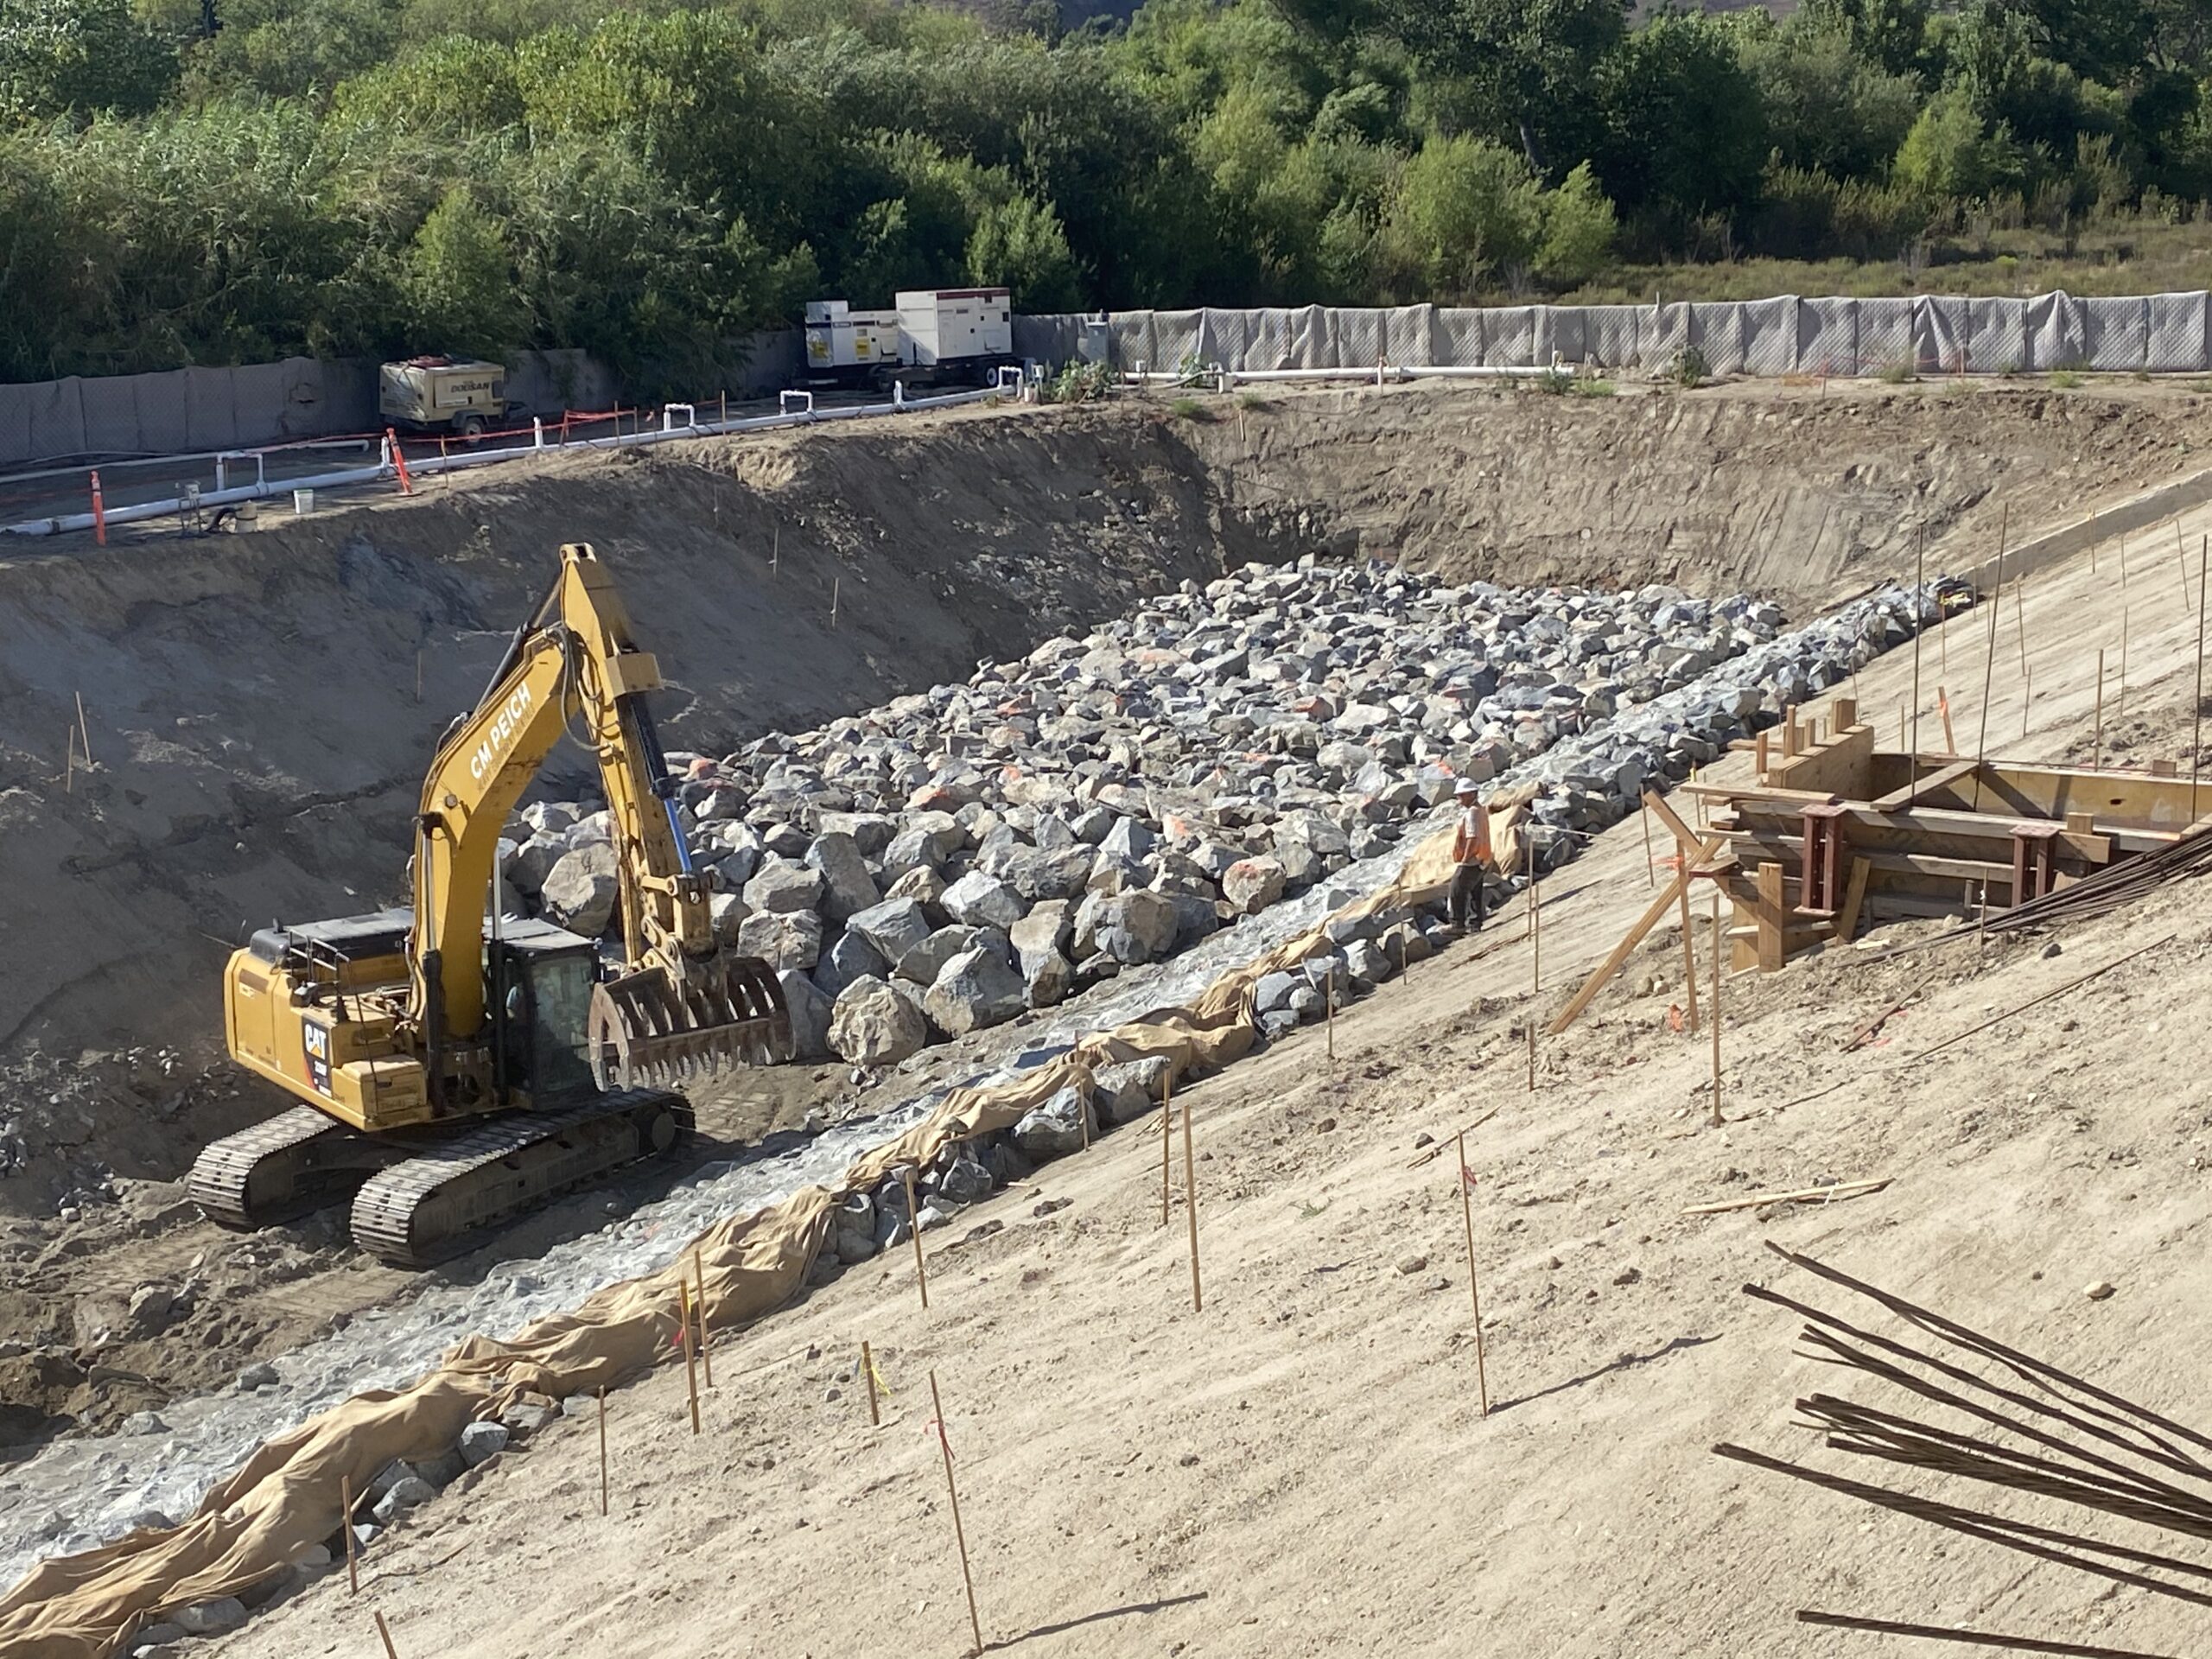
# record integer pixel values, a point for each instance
(1472, 844)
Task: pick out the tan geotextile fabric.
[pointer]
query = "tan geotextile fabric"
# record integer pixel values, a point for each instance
(287, 1495)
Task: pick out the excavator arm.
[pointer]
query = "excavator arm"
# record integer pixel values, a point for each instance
(575, 666)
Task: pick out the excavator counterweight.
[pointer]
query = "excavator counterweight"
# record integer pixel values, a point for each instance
(461, 1063)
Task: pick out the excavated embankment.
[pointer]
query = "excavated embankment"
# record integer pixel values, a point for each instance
(258, 737)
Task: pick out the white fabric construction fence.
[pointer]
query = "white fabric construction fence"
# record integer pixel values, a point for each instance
(2161, 333)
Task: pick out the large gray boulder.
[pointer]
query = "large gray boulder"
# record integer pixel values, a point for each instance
(1055, 1129)
(728, 912)
(974, 990)
(1046, 979)
(870, 1024)
(216, 1618)
(922, 964)
(894, 927)
(928, 840)
(1062, 873)
(982, 901)
(781, 887)
(410, 1492)
(847, 885)
(1043, 932)
(788, 938)
(809, 1015)
(580, 889)
(850, 958)
(1251, 885)
(1124, 1093)
(1136, 927)
(527, 866)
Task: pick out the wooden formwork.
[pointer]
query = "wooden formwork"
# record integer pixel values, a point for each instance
(1832, 830)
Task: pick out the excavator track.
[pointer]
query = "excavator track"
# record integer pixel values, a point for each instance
(281, 1168)
(418, 1211)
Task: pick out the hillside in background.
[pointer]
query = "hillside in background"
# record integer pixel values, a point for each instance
(222, 180)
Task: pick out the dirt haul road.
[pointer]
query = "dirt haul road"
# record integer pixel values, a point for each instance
(1303, 1468)
(256, 740)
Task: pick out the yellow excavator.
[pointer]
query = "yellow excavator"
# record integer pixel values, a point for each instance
(460, 1068)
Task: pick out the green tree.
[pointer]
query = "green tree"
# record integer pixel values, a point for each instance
(1684, 131)
(1950, 155)
(78, 57)
(1018, 243)
(1579, 230)
(458, 278)
(1467, 210)
(1888, 34)
(1527, 66)
(1828, 107)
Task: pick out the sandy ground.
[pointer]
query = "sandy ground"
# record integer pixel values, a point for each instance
(1303, 1467)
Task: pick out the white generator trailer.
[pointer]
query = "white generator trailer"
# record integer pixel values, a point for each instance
(935, 336)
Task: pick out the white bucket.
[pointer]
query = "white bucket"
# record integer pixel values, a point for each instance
(303, 503)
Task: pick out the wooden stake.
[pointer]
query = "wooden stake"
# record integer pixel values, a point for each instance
(690, 1369)
(1528, 852)
(1329, 997)
(1919, 579)
(2181, 559)
(775, 549)
(1689, 949)
(1943, 704)
(602, 1448)
(1717, 1119)
(352, 1544)
(959, 1537)
(1474, 1290)
(1536, 924)
(1651, 875)
(2097, 742)
(2123, 627)
(384, 1630)
(835, 583)
(69, 762)
(867, 1370)
(1167, 1139)
(706, 1353)
(2197, 712)
(82, 730)
(1988, 676)
(914, 1227)
(1531, 1029)
(1190, 1209)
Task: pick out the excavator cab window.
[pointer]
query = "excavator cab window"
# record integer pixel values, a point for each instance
(547, 974)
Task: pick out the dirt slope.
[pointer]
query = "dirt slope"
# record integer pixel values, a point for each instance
(1302, 1468)
(1801, 492)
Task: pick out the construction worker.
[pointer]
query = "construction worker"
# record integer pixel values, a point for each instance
(1471, 856)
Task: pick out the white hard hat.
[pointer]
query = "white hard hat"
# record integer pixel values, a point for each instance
(1464, 788)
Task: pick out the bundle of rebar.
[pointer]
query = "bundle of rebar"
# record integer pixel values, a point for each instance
(2109, 888)
(2084, 1445)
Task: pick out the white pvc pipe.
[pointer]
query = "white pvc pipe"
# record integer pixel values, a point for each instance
(807, 414)
(806, 400)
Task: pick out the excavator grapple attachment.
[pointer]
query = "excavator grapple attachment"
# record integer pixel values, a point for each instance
(654, 1029)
